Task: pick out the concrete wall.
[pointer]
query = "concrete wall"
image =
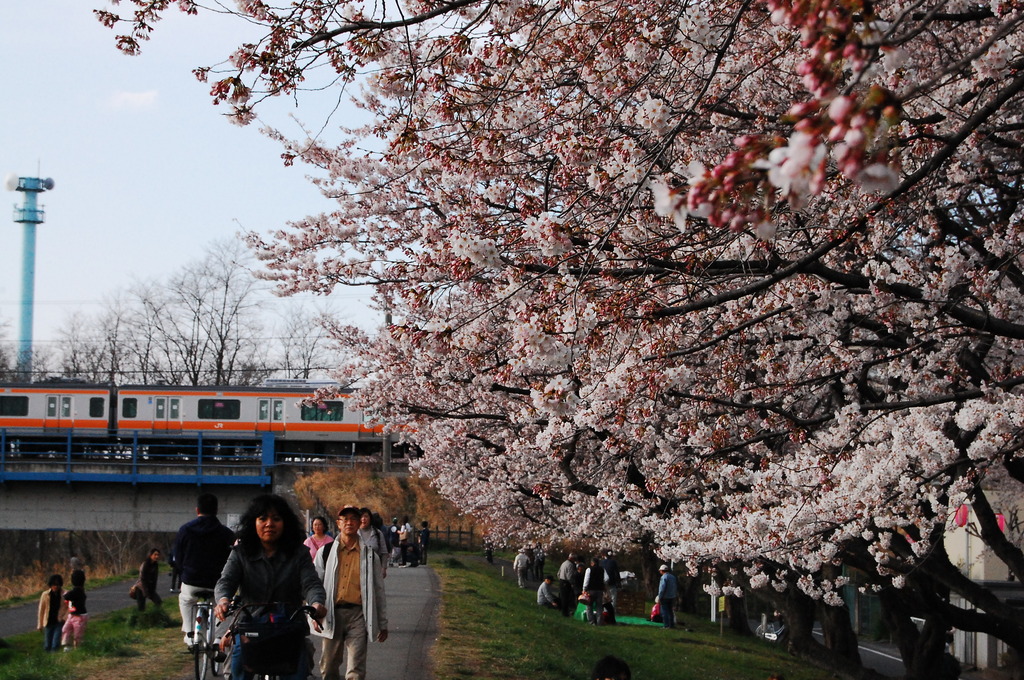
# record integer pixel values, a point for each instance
(115, 507)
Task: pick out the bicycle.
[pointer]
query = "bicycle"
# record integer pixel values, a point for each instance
(206, 652)
(272, 644)
(773, 630)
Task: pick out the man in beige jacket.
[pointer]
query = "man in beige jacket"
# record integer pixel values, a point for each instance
(352, 576)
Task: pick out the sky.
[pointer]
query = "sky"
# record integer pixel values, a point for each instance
(147, 172)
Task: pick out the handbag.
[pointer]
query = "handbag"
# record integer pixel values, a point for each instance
(134, 591)
(585, 597)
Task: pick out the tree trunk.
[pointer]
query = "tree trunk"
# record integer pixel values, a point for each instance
(649, 564)
(736, 610)
(689, 589)
(839, 636)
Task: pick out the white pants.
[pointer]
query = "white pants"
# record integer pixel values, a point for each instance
(187, 599)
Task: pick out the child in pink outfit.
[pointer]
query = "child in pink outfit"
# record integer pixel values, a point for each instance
(78, 617)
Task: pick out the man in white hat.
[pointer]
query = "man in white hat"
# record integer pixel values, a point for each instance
(668, 588)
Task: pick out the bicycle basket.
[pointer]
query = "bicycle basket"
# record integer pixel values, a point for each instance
(271, 647)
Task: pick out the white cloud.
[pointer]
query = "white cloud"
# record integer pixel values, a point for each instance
(132, 101)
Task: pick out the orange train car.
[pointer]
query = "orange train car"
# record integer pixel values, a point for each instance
(168, 412)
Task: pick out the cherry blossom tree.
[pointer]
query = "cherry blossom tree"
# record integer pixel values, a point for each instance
(741, 279)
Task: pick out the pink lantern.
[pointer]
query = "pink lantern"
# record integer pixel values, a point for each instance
(1001, 521)
(961, 515)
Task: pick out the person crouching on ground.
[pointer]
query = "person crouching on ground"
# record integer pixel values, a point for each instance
(148, 573)
(357, 610)
(546, 594)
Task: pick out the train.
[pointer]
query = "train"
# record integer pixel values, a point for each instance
(161, 415)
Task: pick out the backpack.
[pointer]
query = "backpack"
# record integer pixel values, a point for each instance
(325, 552)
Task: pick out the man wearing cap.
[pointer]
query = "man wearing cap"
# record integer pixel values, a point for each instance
(667, 590)
(352, 576)
(566, 595)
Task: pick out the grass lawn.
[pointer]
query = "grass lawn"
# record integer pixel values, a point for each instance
(122, 644)
(491, 629)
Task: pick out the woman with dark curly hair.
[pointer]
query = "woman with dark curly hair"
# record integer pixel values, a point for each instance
(270, 564)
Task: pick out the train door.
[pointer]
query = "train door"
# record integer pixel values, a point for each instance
(167, 414)
(59, 411)
(270, 415)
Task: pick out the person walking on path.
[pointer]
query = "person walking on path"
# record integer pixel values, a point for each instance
(393, 541)
(424, 541)
(404, 538)
(538, 563)
(77, 568)
(372, 536)
(201, 548)
(73, 631)
(175, 572)
(319, 538)
(667, 590)
(53, 612)
(357, 608)
(566, 573)
(521, 564)
(148, 573)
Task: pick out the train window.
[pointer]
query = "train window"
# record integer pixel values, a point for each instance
(330, 410)
(264, 410)
(13, 406)
(219, 409)
(278, 409)
(175, 409)
(129, 407)
(96, 407)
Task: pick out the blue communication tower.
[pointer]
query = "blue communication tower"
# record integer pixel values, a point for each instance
(29, 215)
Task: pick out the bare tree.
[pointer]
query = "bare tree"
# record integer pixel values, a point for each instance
(305, 344)
(204, 325)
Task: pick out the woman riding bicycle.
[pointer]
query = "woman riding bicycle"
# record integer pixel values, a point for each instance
(269, 564)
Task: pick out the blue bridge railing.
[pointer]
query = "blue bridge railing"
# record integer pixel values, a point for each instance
(139, 458)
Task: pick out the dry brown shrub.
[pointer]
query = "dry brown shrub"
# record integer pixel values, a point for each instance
(390, 495)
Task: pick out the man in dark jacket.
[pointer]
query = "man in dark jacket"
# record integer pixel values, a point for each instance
(613, 577)
(201, 548)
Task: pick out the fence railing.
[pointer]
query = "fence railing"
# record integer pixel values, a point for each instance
(463, 539)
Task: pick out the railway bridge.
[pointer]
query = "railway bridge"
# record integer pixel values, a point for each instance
(143, 485)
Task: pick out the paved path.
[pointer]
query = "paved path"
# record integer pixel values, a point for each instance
(413, 596)
(22, 618)
(414, 600)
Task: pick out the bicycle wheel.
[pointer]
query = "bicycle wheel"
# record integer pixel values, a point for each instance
(201, 659)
